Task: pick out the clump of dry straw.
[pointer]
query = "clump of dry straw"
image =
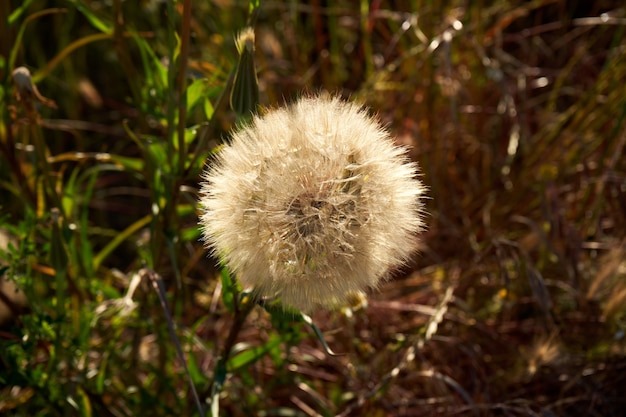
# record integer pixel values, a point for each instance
(312, 203)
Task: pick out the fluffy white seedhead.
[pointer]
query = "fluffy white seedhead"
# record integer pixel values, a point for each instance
(312, 203)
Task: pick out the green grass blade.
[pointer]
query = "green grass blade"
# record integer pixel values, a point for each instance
(121, 237)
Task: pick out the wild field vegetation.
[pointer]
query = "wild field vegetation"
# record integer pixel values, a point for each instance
(515, 305)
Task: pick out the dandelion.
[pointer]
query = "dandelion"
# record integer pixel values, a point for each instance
(312, 203)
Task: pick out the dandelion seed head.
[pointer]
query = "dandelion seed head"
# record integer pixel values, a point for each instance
(312, 203)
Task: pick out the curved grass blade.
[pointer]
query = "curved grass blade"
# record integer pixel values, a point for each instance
(320, 336)
(106, 251)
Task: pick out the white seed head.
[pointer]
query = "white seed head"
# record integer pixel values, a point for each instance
(312, 203)
(245, 40)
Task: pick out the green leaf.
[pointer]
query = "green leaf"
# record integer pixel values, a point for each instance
(58, 252)
(155, 85)
(229, 290)
(157, 150)
(70, 199)
(282, 317)
(95, 21)
(190, 134)
(100, 379)
(17, 13)
(86, 250)
(253, 5)
(83, 402)
(122, 236)
(59, 260)
(320, 335)
(128, 163)
(196, 92)
(190, 234)
(208, 109)
(250, 356)
(197, 376)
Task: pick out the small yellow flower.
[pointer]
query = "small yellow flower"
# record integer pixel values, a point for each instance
(312, 203)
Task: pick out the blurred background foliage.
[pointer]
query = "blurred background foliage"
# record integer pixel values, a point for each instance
(516, 305)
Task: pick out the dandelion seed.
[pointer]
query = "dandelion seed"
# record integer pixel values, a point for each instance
(312, 203)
